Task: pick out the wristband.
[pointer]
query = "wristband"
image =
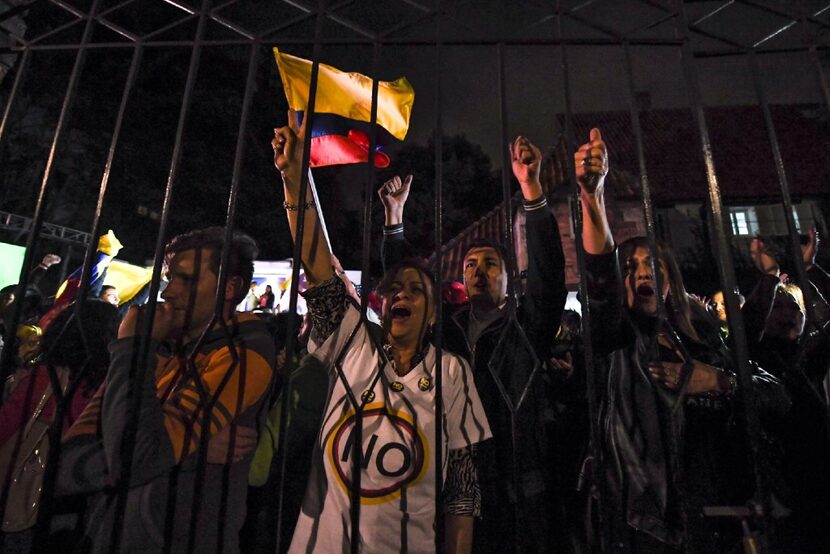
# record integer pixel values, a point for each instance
(294, 207)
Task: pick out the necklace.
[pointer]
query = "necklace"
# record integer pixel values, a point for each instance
(425, 383)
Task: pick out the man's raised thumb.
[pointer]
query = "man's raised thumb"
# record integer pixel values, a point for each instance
(407, 182)
(595, 135)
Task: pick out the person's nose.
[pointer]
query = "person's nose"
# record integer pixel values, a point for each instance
(643, 273)
(400, 295)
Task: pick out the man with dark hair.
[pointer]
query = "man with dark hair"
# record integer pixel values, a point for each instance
(203, 386)
(515, 469)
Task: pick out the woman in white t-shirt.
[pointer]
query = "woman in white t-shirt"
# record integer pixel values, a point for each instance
(383, 385)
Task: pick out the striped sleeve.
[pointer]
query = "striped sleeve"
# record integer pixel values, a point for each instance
(462, 496)
(235, 383)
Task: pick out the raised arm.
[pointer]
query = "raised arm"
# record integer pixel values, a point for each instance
(591, 162)
(545, 293)
(759, 303)
(394, 247)
(288, 156)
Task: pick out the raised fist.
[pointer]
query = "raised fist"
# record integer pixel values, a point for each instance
(591, 162)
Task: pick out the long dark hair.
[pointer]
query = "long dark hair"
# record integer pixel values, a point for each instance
(82, 345)
(678, 309)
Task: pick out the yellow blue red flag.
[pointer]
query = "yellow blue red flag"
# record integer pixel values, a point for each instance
(342, 110)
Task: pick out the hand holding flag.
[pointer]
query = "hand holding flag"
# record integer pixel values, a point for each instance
(288, 145)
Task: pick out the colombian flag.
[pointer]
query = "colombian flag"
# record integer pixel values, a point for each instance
(343, 110)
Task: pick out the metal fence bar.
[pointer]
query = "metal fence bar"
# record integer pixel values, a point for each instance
(438, 139)
(721, 239)
(823, 83)
(292, 349)
(18, 78)
(219, 318)
(510, 266)
(65, 398)
(139, 364)
(597, 488)
(355, 495)
(37, 218)
(507, 41)
(783, 182)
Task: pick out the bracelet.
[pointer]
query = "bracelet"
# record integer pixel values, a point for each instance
(295, 207)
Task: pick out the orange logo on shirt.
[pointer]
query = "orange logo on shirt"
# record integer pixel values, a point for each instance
(394, 453)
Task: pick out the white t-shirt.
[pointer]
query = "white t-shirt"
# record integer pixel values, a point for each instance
(397, 511)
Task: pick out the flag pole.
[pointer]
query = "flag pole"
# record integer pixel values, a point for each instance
(313, 188)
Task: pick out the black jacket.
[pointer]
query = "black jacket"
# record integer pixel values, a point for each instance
(507, 365)
(650, 489)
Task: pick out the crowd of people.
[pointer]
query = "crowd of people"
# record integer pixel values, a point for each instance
(458, 419)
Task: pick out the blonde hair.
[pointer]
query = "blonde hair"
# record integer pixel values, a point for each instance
(794, 292)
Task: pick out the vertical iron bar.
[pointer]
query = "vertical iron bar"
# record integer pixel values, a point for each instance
(7, 357)
(219, 317)
(822, 76)
(291, 362)
(40, 206)
(510, 263)
(506, 175)
(368, 190)
(721, 240)
(140, 358)
(438, 336)
(648, 204)
(597, 465)
(64, 269)
(64, 401)
(786, 200)
(92, 247)
(357, 443)
(21, 71)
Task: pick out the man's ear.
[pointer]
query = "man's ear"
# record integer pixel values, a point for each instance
(233, 287)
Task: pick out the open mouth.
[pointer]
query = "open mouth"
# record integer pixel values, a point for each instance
(400, 313)
(644, 289)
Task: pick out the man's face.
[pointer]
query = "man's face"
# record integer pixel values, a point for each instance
(111, 296)
(640, 285)
(484, 275)
(191, 291)
(719, 306)
(407, 307)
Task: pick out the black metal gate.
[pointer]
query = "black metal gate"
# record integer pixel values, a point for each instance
(544, 61)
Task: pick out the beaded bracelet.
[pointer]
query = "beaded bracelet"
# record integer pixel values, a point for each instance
(294, 207)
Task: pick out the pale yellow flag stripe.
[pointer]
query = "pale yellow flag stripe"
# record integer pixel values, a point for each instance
(347, 94)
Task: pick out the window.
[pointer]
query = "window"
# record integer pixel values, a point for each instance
(740, 222)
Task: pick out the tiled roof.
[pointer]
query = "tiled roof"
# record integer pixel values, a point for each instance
(674, 165)
(742, 154)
